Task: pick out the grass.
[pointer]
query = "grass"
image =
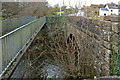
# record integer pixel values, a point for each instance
(96, 18)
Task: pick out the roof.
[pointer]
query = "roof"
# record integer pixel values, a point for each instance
(68, 7)
(114, 7)
(104, 9)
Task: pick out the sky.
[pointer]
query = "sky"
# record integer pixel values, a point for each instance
(74, 2)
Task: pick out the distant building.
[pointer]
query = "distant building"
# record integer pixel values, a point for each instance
(103, 12)
(80, 13)
(112, 4)
(108, 10)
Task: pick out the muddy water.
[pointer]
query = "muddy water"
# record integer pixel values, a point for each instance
(53, 71)
(49, 69)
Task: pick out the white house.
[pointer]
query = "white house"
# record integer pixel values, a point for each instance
(109, 11)
(79, 13)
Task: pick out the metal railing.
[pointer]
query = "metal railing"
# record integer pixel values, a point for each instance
(11, 24)
(13, 42)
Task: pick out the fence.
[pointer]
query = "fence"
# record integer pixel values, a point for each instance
(11, 24)
(12, 42)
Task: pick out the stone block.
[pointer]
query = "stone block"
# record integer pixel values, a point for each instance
(79, 23)
(106, 35)
(107, 45)
(115, 27)
(97, 37)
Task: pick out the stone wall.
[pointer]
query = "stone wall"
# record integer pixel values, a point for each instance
(97, 40)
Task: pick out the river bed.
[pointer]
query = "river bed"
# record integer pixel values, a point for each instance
(48, 70)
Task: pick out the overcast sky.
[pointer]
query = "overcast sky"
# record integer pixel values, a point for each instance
(74, 2)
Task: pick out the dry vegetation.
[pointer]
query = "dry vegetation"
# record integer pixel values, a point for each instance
(64, 50)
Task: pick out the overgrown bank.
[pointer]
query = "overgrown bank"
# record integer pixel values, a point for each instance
(62, 50)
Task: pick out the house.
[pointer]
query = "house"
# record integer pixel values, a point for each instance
(108, 10)
(104, 12)
(112, 4)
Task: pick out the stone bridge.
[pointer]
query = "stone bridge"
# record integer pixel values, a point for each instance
(98, 41)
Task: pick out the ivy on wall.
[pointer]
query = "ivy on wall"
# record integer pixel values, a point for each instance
(115, 54)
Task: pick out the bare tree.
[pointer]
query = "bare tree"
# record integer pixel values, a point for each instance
(56, 6)
(23, 9)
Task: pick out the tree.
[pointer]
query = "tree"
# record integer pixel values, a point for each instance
(23, 9)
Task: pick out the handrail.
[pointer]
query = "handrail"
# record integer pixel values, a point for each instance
(11, 24)
(13, 42)
(17, 29)
(15, 19)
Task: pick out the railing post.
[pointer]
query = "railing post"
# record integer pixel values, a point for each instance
(0, 40)
(1, 56)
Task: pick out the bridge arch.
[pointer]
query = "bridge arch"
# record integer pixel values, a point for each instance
(70, 38)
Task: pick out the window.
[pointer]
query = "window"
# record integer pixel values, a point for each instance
(111, 14)
(111, 10)
(104, 14)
